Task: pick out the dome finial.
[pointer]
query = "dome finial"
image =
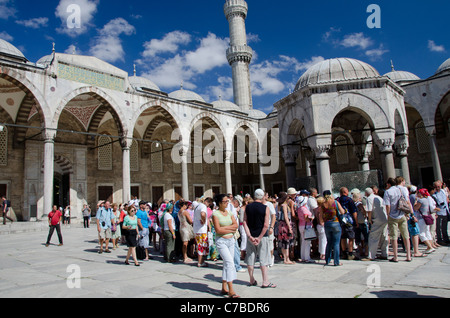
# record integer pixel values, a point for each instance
(181, 85)
(134, 69)
(392, 66)
(53, 49)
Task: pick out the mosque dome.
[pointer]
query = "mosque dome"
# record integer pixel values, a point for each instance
(444, 67)
(9, 50)
(139, 82)
(226, 106)
(402, 76)
(187, 96)
(256, 114)
(336, 70)
(45, 60)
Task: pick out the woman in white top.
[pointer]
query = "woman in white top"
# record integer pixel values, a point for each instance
(169, 234)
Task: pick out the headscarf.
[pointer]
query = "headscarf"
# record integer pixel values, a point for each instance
(424, 193)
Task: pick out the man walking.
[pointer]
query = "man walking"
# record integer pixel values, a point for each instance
(442, 202)
(105, 218)
(6, 204)
(54, 222)
(256, 225)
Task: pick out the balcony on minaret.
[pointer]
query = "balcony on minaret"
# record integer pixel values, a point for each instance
(239, 53)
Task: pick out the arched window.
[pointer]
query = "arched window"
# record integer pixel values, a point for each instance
(341, 150)
(156, 157)
(423, 141)
(134, 156)
(4, 146)
(104, 153)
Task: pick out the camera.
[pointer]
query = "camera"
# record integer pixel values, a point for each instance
(103, 223)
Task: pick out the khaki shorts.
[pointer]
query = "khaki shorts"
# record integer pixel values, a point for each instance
(262, 250)
(105, 234)
(396, 225)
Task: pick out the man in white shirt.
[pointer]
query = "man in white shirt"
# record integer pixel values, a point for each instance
(377, 217)
(201, 231)
(273, 218)
(396, 219)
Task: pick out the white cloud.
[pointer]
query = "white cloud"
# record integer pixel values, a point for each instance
(5, 36)
(6, 10)
(87, 10)
(433, 47)
(356, 40)
(185, 65)
(170, 43)
(376, 54)
(108, 45)
(34, 23)
(209, 55)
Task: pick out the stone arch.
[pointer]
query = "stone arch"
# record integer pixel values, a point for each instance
(161, 107)
(33, 101)
(107, 104)
(375, 115)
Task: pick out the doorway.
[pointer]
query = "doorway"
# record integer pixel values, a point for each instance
(427, 176)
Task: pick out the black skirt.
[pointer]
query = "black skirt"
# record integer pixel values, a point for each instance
(131, 238)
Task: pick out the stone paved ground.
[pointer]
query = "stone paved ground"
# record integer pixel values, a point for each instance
(30, 270)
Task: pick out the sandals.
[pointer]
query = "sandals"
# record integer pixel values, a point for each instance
(255, 283)
(269, 286)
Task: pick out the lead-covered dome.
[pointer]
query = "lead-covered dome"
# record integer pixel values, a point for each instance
(402, 76)
(187, 96)
(9, 50)
(336, 70)
(226, 106)
(444, 67)
(142, 83)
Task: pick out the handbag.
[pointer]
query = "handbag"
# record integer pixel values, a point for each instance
(310, 233)
(429, 220)
(403, 204)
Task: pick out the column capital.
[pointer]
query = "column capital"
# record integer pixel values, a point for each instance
(49, 135)
(322, 151)
(126, 142)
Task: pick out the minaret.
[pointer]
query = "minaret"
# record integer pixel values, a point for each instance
(239, 54)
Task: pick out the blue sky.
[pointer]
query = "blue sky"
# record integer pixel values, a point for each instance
(178, 41)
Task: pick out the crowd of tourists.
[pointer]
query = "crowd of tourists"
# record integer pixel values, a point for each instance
(288, 228)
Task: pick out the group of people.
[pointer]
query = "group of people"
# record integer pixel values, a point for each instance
(293, 225)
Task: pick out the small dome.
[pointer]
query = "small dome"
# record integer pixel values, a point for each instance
(10, 50)
(139, 82)
(444, 67)
(256, 114)
(45, 60)
(226, 106)
(402, 76)
(336, 70)
(187, 96)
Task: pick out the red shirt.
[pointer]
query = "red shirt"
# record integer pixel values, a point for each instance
(55, 217)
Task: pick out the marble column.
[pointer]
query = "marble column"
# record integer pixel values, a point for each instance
(435, 158)
(385, 147)
(49, 170)
(228, 179)
(126, 174)
(402, 152)
(323, 168)
(184, 173)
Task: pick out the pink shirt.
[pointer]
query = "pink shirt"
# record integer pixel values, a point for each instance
(302, 212)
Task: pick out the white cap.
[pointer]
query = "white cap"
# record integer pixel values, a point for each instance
(259, 194)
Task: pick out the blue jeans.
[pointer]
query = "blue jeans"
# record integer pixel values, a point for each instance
(333, 233)
(237, 256)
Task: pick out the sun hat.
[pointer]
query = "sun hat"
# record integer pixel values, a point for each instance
(291, 191)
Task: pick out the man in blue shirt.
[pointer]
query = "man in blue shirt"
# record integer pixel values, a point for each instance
(348, 233)
(144, 232)
(105, 218)
(441, 199)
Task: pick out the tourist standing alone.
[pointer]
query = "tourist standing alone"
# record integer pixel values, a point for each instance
(54, 222)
